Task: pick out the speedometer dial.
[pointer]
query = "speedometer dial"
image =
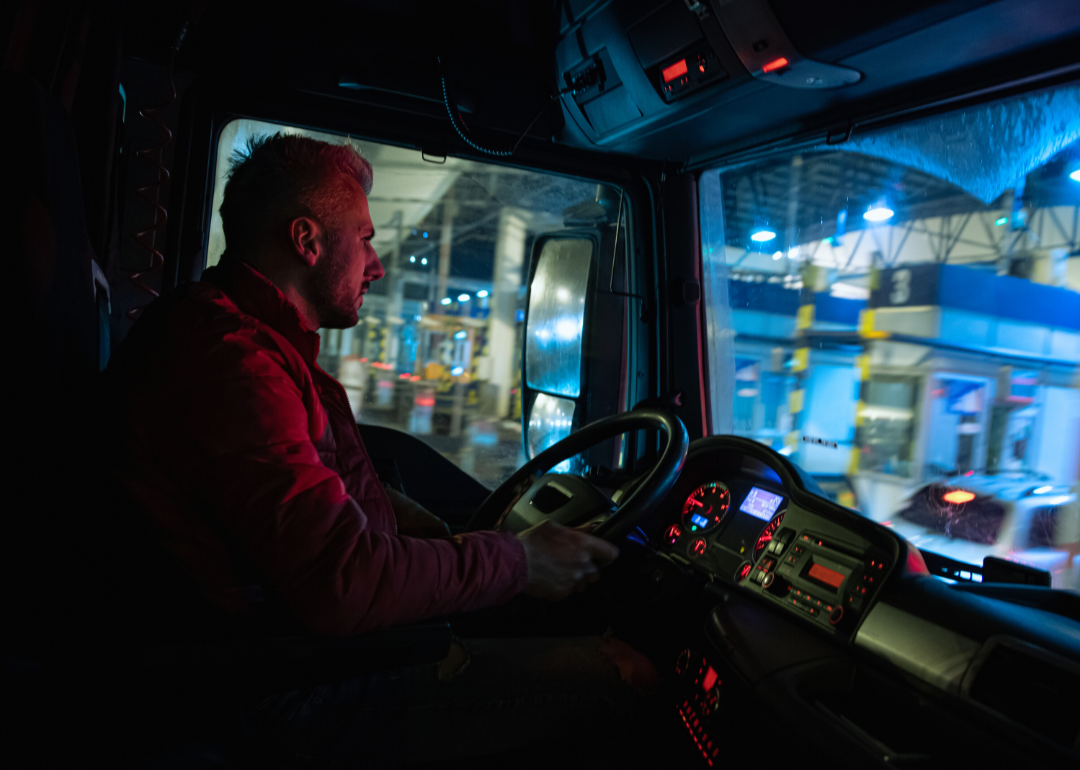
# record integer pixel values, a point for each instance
(766, 535)
(706, 507)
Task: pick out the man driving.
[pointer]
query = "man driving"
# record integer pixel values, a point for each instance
(244, 458)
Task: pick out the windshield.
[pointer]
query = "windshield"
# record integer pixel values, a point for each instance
(900, 315)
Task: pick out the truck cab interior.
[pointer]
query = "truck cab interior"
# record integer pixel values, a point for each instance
(785, 295)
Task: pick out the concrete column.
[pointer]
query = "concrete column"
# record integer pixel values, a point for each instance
(446, 238)
(396, 294)
(509, 258)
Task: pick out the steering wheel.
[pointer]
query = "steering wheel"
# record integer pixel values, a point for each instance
(532, 495)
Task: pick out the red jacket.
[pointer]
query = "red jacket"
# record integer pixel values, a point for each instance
(245, 456)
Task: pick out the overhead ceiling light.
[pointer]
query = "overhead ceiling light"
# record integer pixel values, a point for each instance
(1042, 490)
(1001, 221)
(1075, 176)
(423, 261)
(777, 255)
(460, 335)
(482, 293)
(445, 301)
(878, 214)
(762, 234)
(412, 259)
(463, 298)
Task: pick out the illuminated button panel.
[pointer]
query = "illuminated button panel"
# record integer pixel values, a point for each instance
(683, 74)
(824, 581)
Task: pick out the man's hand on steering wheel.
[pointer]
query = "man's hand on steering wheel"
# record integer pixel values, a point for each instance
(562, 560)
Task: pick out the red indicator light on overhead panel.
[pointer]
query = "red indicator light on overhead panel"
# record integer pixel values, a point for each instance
(958, 496)
(677, 70)
(709, 680)
(775, 64)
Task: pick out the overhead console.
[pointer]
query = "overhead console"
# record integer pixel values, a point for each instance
(691, 75)
(682, 48)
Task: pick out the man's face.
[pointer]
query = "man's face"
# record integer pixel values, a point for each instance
(342, 276)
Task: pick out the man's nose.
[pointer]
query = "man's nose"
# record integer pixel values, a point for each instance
(377, 270)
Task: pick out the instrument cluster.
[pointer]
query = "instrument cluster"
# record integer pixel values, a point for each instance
(740, 516)
(740, 524)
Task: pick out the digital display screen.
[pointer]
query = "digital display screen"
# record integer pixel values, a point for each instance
(761, 504)
(827, 576)
(700, 520)
(678, 69)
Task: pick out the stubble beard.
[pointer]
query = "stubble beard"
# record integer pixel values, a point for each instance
(334, 311)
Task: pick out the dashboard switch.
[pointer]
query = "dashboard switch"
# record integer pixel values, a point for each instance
(768, 579)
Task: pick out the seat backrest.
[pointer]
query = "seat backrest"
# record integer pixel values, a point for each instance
(52, 350)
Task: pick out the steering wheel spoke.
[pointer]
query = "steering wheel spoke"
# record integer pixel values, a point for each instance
(528, 498)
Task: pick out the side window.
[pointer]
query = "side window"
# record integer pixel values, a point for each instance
(438, 348)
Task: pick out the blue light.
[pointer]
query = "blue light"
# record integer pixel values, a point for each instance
(445, 301)
(761, 235)
(1001, 221)
(481, 294)
(460, 335)
(412, 259)
(878, 214)
(425, 233)
(423, 261)
(463, 298)
(1075, 176)
(457, 371)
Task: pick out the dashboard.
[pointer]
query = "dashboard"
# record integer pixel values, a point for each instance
(732, 517)
(802, 613)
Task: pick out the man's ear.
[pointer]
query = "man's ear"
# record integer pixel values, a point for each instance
(306, 239)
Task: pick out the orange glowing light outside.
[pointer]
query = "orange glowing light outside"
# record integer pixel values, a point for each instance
(676, 70)
(775, 64)
(958, 496)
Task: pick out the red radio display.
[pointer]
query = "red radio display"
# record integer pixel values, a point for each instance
(825, 575)
(676, 70)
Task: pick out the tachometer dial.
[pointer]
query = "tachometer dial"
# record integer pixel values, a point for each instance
(766, 535)
(706, 507)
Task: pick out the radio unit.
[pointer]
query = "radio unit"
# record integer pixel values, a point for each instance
(824, 581)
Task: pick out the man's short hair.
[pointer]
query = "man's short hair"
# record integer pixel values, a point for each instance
(275, 179)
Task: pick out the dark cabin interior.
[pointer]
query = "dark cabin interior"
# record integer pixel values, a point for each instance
(111, 116)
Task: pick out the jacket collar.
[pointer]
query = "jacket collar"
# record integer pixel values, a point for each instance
(255, 295)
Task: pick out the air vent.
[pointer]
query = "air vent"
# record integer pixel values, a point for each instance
(1031, 687)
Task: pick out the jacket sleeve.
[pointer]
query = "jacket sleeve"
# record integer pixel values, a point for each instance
(239, 436)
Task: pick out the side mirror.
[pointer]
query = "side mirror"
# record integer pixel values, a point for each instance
(561, 277)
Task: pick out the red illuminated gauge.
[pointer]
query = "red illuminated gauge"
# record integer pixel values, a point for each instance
(673, 533)
(744, 571)
(766, 535)
(706, 507)
(682, 665)
(697, 547)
